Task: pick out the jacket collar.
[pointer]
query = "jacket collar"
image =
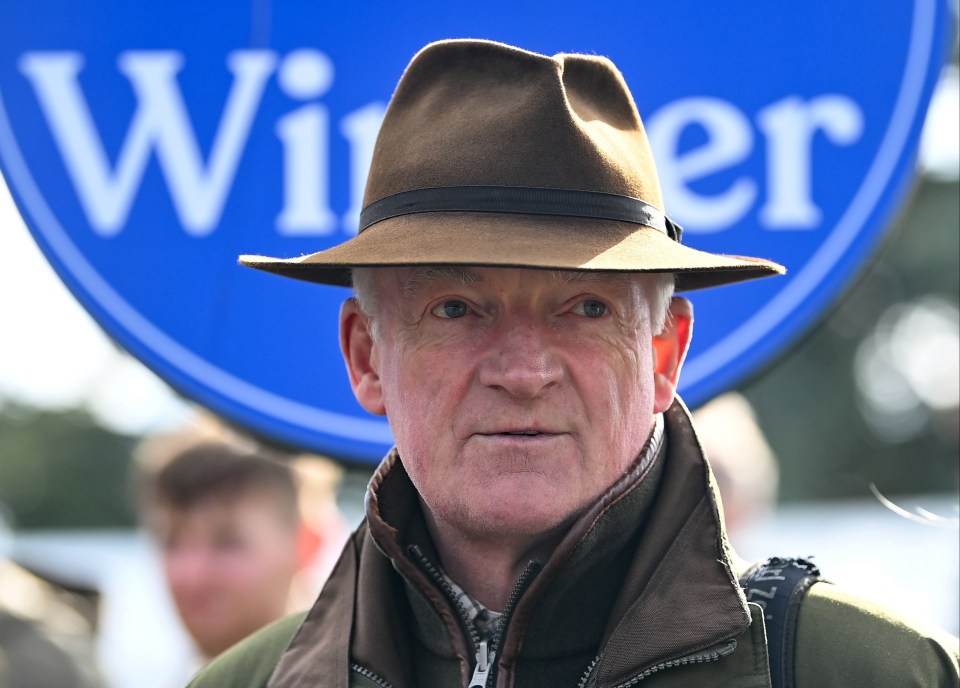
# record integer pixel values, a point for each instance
(636, 559)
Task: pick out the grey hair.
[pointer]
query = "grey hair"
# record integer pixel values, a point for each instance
(364, 280)
(364, 283)
(662, 289)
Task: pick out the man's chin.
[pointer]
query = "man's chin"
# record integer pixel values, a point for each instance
(518, 515)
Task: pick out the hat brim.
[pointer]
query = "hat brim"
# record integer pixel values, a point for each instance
(518, 241)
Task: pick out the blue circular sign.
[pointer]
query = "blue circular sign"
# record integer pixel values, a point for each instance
(149, 144)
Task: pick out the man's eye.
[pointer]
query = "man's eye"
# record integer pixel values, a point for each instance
(451, 309)
(591, 308)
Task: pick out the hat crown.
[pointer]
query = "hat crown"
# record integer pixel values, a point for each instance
(491, 155)
(480, 113)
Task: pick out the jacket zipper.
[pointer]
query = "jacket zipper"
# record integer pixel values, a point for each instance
(367, 674)
(485, 667)
(481, 672)
(529, 573)
(709, 655)
(431, 570)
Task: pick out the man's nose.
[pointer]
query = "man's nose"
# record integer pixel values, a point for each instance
(521, 360)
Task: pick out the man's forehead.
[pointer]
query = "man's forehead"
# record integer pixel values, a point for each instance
(415, 278)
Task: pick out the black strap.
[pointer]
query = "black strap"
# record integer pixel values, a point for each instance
(521, 199)
(778, 585)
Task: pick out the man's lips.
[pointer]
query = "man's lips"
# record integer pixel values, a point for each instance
(519, 433)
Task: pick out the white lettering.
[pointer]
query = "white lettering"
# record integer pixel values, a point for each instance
(305, 74)
(729, 141)
(789, 126)
(159, 123)
(198, 188)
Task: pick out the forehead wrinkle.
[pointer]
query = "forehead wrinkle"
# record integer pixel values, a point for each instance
(568, 276)
(419, 277)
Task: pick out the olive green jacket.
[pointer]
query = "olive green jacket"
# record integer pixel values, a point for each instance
(642, 591)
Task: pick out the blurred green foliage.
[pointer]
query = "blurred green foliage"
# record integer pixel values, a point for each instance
(807, 401)
(60, 469)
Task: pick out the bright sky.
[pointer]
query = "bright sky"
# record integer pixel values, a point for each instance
(53, 354)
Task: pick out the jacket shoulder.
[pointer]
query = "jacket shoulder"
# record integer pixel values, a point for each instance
(845, 640)
(250, 663)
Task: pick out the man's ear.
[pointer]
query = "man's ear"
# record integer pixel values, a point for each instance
(359, 353)
(670, 349)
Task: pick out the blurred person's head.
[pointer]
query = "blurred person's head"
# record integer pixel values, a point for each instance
(226, 518)
(323, 529)
(742, 461)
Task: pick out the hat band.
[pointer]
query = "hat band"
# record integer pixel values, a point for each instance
(520, 199)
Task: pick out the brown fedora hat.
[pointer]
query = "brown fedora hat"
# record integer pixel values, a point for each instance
(491, 155)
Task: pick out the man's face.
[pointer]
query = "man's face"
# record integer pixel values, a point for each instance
(229, 564)
(516, 397)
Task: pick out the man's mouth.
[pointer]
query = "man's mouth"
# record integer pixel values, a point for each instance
(522, 432)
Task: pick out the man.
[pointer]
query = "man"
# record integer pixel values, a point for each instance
(547, 517)
(226, 519)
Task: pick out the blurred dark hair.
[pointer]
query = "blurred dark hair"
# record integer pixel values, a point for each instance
(213, 469)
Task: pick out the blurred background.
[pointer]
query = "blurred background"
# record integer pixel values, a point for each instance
(850, 439)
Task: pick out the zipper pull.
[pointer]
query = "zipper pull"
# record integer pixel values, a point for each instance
(482, 670)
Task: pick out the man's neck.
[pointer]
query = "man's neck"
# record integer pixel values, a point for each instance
(488, 568)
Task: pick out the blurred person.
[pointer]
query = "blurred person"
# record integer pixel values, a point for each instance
(226, 517)
(323, 530)
(741, 459)
(45, 642)
(546, 516)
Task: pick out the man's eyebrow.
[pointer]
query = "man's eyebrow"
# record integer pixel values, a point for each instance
(423, 275)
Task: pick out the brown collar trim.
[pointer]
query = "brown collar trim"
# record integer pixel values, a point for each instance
(319, 653)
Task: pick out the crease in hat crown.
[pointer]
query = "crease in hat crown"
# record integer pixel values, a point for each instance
(492, 155)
